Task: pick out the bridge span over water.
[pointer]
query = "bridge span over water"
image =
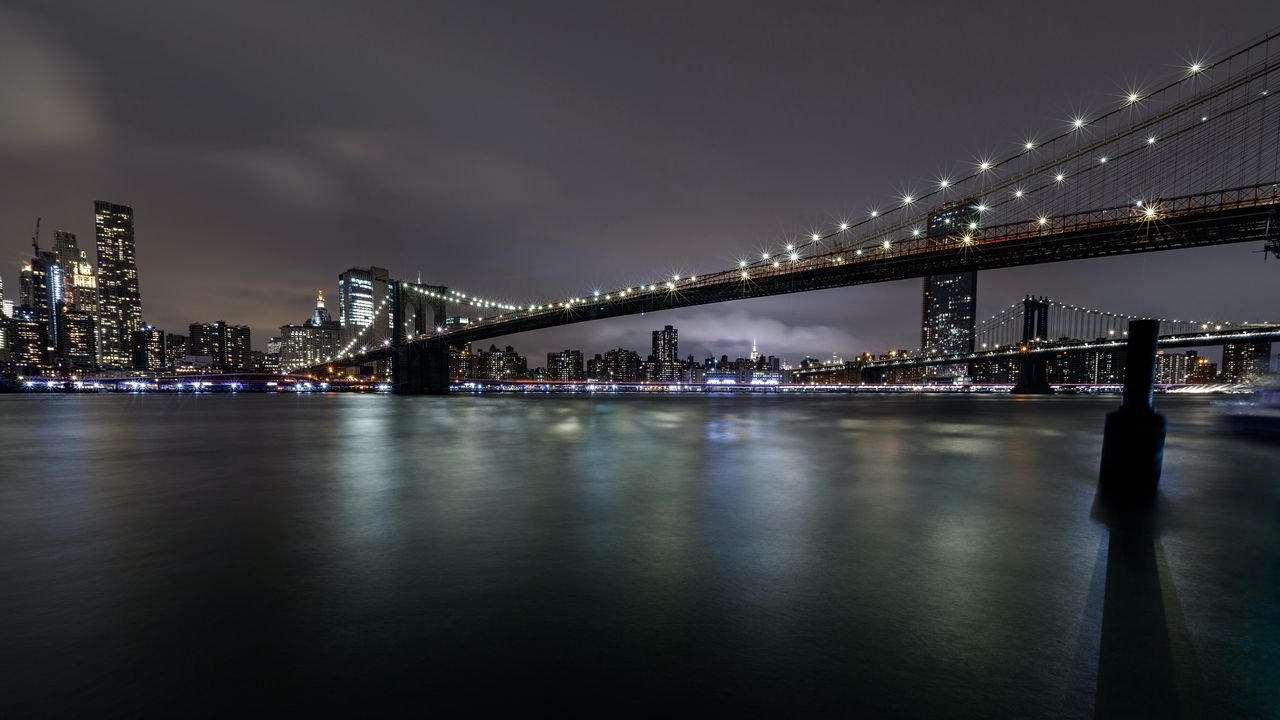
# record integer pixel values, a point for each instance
(1194, 162)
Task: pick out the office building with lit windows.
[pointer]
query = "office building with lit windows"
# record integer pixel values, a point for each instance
(120, 313)
(360, 292)
(666, 355)
(950, 301)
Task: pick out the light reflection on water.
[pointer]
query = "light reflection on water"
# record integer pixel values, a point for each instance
(920, 556)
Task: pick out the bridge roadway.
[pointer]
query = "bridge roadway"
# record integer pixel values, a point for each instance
(1220, 217)
(1251, 333)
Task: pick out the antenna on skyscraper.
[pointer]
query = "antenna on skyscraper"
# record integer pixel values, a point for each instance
(35, 238)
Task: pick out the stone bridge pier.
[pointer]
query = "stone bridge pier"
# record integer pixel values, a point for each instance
(421, 367)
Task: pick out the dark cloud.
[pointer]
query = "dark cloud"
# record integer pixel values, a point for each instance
(538, 150)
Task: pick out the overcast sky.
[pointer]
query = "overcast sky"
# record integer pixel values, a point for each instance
(536, 150)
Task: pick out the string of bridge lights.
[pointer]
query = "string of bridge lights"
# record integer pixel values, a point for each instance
(792, 252)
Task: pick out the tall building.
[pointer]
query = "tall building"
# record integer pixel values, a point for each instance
(360, 292)
(150, 347)
(595, 369)
(950, 301)
(565, 365)
(621, 365)
(666, 355)
(120, 313)
(495, 364)
(239, 353)
(175, 347)
(29, 341)
(43, 287)
(77, 338)
(312, 343)
(81, 291)
(1245, 362)
(209, 340)
(461, 362)
(229, 347)
(1171, 368)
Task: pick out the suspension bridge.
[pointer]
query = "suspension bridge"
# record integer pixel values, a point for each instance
(1192, 162)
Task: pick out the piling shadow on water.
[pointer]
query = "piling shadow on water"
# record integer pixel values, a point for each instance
(1144, 666)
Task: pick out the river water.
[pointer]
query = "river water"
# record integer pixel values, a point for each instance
(939, 556)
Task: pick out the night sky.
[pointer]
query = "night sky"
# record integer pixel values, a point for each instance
(531, 151)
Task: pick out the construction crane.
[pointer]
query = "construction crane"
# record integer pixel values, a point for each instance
(35, 238)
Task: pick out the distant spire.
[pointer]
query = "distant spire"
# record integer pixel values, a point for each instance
(319, 298)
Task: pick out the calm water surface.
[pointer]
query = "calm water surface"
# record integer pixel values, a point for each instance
(915, 556)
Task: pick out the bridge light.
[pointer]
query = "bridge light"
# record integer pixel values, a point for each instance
(1133, 98)
(790, 247)
(1059, 177)
(671, 286)
(675, 277)
(764, 256)
(844, 226)
(915, 232)
(886, 244)
(439, 329)
(984, 166)
(973, 226)
(1151, 140)
(968, 239)
(744, 275)
(1102, 159)
(944, 183)
(875, 213)
(1029, 145)
(1018, 193)
(1150, 212)
(795, 256)
(1042, 220)
(981, 208)
(858, 252)
(742, 263)
(777, 264)
(1195, 68)
(816, 237)
(1077, 123)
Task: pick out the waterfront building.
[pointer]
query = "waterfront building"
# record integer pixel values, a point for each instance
(6, 336)
(239, 352)
(311, 343)
(461, 362)
(950, 301)
(1171, 368)
(175, 348)
(1201, 370)
(595, 369)
(565, 365)
(29, 345)
(360, 292)
(666, 355)
(1245, 362)
(43, 285)
(150, 349)
(621, 366)
(209, 340)
(120, 302)
(77, 338)
(495, 364)
(81, 284)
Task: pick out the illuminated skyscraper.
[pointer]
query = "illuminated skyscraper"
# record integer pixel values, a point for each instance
(151, 350)
(950, 301)
(312, 342)
(121, 303)
(666, 354)
(565, 365)
(360, 292)
(77, 340)
(1245, 362)
(81, 291)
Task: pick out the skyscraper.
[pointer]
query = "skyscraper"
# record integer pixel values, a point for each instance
(666, 354)
(360, 292)
(77, 340)
(1245, 362)
(81, 291)
(950, 301)
(150, 349)
(565, 365)
(311, 343)
(121, 303)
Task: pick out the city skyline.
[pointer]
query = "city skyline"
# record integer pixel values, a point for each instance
(261, 264)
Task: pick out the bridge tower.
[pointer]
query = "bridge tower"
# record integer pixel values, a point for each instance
(422, 366)
(1033, 372)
